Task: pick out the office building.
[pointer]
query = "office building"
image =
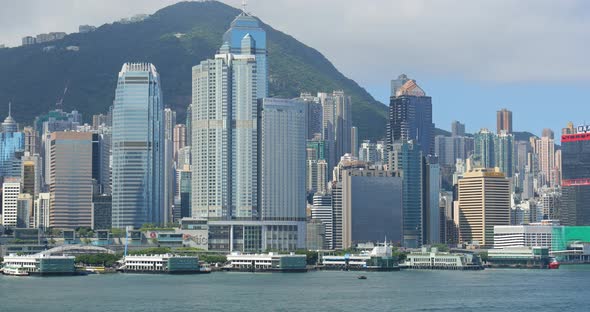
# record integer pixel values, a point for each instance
(24, 211)
(354, 136)
(11, 141)
(407, 159)
(188, 123)
(282, 153)
(396, 84)
(504, 121)
(31, 174)
(575, 203)
(431, 197)
(371, 206)
(184, 191)
(31, 140)
(138, 148)
(169, 173)
(410, 117)
(42, 207)
(316, 166)
(70, 185)
(484, 202)
(322, 211)
(533, 235)
(484, 150)
(11, 189)
(179, 139)
(368, 152)
(102, 212)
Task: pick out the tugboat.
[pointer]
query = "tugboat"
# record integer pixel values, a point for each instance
(553, 264)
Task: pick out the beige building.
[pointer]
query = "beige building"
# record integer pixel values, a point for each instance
(484, 202)
(70, 183)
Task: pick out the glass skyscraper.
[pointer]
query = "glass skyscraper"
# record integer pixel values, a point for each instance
(410, 116)
(137, 147)
(11, 141)
(225, 122)
(245, 25)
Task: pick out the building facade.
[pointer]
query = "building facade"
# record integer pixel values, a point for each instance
(138, 147)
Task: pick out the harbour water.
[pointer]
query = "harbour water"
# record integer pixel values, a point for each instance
(565, 289)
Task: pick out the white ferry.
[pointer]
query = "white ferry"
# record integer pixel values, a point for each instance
(14, 271)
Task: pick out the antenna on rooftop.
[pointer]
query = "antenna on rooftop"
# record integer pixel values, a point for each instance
(244, 5)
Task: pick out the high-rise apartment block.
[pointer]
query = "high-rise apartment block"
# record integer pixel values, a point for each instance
(11, 189)
(337, 125)
(504, 121)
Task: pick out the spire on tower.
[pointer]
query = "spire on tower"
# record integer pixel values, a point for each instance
(9, 108)
(244, 4)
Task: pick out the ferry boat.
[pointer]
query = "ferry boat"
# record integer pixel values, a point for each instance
(14, 271)
(553, 264)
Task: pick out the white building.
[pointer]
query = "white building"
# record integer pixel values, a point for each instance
(427, 259)
(266, 262)
(322, 210)
(282, 159)
(533, 235)
(10, 193)
(42, 211)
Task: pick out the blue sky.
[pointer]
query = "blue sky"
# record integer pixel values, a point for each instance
(534, 105)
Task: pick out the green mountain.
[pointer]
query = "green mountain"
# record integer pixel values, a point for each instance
(174, 39)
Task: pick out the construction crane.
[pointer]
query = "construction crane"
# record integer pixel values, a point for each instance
(60, 101)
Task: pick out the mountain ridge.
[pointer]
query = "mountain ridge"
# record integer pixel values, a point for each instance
(174, 39)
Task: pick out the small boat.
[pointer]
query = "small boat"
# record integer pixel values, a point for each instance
(361, 277)
(553, 264)
(14, 271)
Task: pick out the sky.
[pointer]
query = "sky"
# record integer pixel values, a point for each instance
(472, 57)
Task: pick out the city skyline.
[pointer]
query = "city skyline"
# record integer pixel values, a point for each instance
(495, 81)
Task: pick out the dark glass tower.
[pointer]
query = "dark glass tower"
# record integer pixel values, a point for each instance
(575, 153)
(410, 117)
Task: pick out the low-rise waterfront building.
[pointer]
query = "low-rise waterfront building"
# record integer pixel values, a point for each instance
(267, 262)
(380, 258)
(166, 263)
(41, 264)
(434, 260)
(533, 235)
(519, 257)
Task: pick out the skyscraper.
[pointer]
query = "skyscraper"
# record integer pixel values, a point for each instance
(337, 124)
(11, 141)
(408, 159)
(70, 185)
(354, 145)
(314, 114)
(484, 201)
(322, 210)
(169, 173)
(179, 139)
(410, 117)
(225, 122)
(504, 153)
(575, 153)
(282, 162)
(545, 150)
(457, 129)
(504, 121)
(371, 206)
(484, 153)
(138, 147)
(246, 37)
(431, 194)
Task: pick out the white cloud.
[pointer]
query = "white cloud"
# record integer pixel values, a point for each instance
(374, 40)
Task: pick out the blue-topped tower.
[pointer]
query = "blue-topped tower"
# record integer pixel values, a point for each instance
(246, 26)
